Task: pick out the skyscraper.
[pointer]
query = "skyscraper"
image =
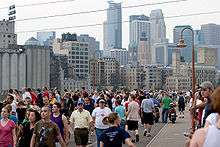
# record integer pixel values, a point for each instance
(158, 27)
(113, 27)
(138, 25)
(186, 52)
(210, 34)
(144, 53)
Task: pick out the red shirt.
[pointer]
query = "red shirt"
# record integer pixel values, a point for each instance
(6, 137)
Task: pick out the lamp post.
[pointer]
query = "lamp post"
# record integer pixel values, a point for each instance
(182, 44)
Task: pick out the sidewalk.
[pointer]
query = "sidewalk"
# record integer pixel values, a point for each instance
(172, 134)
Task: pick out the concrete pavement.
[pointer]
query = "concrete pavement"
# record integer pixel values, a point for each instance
(172, 135)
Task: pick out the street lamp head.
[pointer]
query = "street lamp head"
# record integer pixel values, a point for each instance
(181, 43)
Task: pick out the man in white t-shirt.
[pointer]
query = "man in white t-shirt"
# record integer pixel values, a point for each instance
(98, 115)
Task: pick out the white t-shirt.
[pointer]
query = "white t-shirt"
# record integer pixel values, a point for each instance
(99, 114)
(212, 118)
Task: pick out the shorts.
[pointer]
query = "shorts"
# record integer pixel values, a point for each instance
(148, 118)
(181, 108)
(81, 136)
(132, 125)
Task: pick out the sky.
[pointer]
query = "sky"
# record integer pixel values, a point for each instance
(169, 9)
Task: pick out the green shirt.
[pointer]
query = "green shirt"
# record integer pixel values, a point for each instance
(166, 102)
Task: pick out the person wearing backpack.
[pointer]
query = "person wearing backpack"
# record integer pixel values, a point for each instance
(181, 105)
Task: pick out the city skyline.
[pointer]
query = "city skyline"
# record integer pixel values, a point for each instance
(187, 7)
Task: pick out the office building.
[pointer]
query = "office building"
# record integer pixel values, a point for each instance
(93, 45)
(121, 55)
(144, 52)
(138, 25)
(113, 27)
(160, 53)
(158, 27)
(210, 34)
(207, 56)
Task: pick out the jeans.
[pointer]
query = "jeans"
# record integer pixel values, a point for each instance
(165, 115)
(98, 134)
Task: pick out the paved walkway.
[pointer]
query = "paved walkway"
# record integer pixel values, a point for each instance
(172, 135)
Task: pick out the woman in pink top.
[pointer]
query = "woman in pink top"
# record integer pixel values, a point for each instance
(7, 130)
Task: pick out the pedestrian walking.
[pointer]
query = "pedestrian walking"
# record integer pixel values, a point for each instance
(181, 105)
(120, 109)
(98, 114)
(147, 108)
(45, 131)
(81, 120)
(26, 130)
(166, 101)
(61, 122)
(7, 129)
(114, 136)
(133, 117)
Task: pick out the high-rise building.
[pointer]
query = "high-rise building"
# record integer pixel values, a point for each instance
(210, 34)
(97, 73)
(77, 52)
(186, 52)
(78, 58)
(113, 27)
(93, 45)
(157, 32)
(46, 38)
(138, 25)
(121, 55)
(207, 56)
(7, 34)
(160, 53)
(111, 71)
(104, 72)
(144, 52)
(158, 27)
(198, 37)
(133, 54)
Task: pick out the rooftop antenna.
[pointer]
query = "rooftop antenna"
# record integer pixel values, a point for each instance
(12, 13)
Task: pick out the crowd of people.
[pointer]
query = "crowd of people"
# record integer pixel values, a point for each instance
(45, 118)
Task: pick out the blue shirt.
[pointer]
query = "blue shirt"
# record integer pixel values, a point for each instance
(121, 111)
(113, 137)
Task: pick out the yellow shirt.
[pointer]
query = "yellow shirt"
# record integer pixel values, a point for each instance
(81, 119)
